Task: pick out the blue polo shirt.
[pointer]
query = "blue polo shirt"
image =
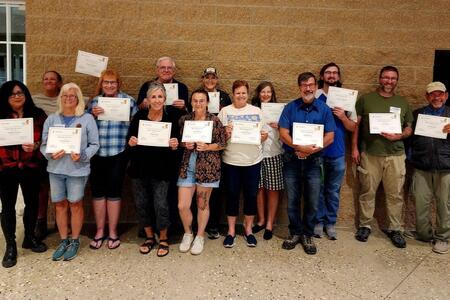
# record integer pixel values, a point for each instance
(315, 113)
(337, 148)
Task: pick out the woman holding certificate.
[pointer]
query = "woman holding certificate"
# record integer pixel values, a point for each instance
(153, 140)
(113, 110)
(218, 99)
(203, 138)
(69, 140)
(242, 160)
(21, 125)
(271, 181)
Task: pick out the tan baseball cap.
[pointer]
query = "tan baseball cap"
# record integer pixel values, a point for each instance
(210, 70)
(436, 86)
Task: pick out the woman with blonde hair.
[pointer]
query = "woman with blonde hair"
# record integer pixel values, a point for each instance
(152, 168)
(68, 172)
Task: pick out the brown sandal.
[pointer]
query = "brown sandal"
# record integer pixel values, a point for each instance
(148, 245)
(164, 248)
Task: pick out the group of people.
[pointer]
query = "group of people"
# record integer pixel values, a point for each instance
(182, 171)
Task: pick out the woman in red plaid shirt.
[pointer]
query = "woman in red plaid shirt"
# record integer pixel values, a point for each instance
(19, 165)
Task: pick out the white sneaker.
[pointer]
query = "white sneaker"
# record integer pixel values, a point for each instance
(186, 242)
(197, 246)
(440, 247)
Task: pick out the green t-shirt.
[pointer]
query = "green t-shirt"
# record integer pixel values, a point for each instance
(375, 144)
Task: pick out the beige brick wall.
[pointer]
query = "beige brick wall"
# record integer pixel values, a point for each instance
(254, 40)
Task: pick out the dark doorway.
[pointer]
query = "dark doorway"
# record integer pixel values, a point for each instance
(441, 70)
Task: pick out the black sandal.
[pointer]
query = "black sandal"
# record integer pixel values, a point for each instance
(163, 247)
(148, 245)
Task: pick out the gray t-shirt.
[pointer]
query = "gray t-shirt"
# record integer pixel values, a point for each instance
(48, 104)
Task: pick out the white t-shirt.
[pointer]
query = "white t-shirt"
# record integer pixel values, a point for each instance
(241, 154)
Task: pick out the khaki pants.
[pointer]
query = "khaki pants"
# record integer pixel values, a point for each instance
(391, 171)
(425, 187)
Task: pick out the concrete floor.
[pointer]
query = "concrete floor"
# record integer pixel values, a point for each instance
(342, 269)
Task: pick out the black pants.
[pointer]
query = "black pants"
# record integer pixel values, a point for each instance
(10, 179)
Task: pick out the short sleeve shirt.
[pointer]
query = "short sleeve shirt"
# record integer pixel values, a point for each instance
(299, 112)
(375, 144)
(241, 154)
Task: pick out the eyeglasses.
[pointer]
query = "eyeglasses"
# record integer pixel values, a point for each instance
(166, 68)
(304, 85)
(110, 82)
(17, 95)
(331, 72)
(70, 97)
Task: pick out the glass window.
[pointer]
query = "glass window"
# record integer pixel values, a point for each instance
(18, 24)
(2, 23)
(12, 41)
(2, 63)
(17, 62)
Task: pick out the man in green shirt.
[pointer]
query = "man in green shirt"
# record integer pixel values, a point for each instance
(381, 157)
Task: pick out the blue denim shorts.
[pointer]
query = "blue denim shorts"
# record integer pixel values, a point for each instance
(190, 180)
(67, 187)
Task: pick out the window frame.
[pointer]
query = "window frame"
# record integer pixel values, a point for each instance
(8, 42)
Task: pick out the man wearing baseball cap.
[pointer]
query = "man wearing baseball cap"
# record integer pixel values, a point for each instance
(430, 157)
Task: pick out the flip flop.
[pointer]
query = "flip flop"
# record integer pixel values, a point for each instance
(112, 241)
(97, 243)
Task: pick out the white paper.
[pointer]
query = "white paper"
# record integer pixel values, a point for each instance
(197, 131)
(343, 98)
(153, 133)
(395, 110)
(214, 102)
(171, 92)
(116, 109)
(16, 131)
(272, 111)
(67, 139)
(384, 122)
(431, 126)
(90, 64)
(245, 132)
(307, 134)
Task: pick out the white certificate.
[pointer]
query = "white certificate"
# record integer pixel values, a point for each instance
(245, 132)
(431, 126)
(16, 131)
(384, 122)
(90, 64)
(116, 109)
(214, 102)
(171, 92)
(343, 98)
(197, 131)
(155, 134)
(272, 111)
(307, 134)
(61, 138)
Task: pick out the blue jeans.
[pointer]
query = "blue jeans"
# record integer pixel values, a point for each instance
(65, 187)
(302, 177)
(334, 170)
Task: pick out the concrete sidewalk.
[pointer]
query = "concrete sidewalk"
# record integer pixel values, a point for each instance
(342, 269)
